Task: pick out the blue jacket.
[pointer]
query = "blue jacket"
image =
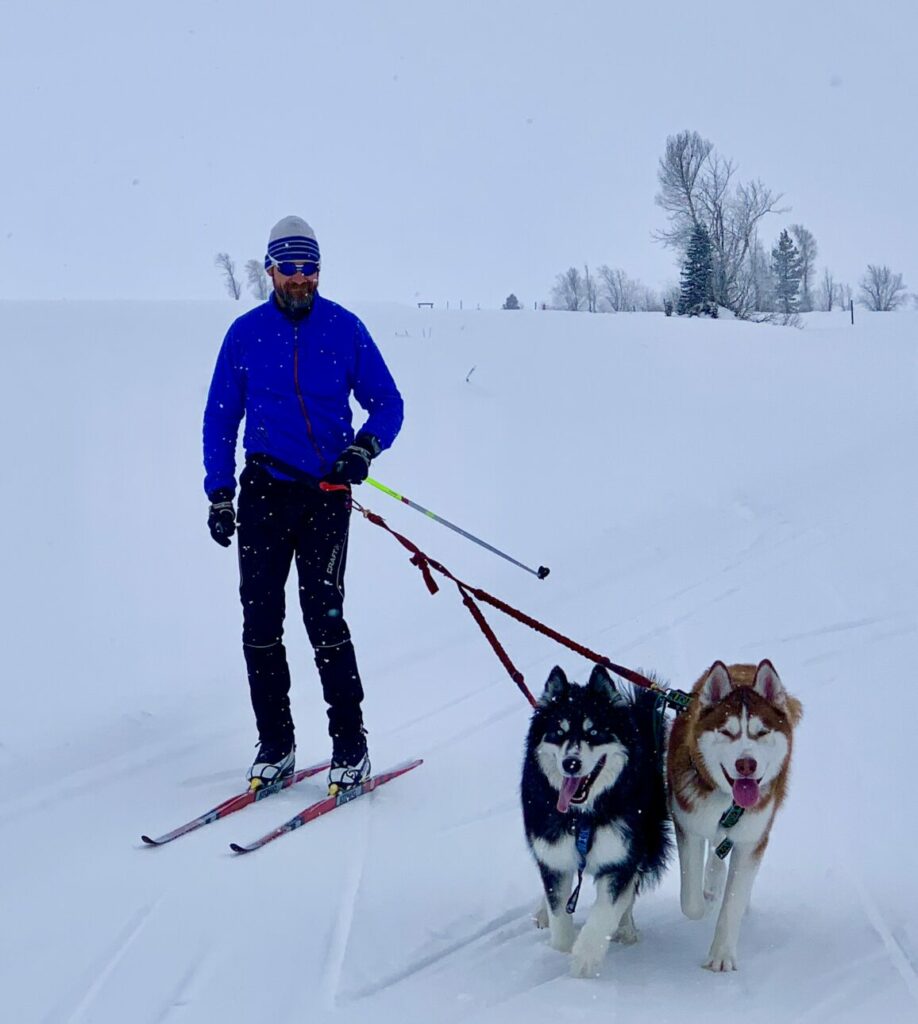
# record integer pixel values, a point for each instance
(292, 381)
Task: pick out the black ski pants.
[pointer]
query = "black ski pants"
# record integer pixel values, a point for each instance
(280, 521)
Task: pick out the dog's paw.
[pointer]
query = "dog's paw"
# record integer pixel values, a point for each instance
(587, 958)
(720, 961)
(540, 916)
(585, 966)
(627, 934)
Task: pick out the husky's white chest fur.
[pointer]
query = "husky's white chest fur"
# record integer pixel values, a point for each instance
(706, 818)
(608, 846)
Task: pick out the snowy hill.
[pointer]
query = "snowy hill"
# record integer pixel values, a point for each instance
(700, 490)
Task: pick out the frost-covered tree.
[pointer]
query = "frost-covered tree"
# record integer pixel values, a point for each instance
(648, 300)
(761, 279)
(697, 189)
(785, 266)
(590, 290)
(257, 277)
(568, 290)
(695, 298)
(224, 263)
(881, 289)
(827, 294)
(511, 302)
(808, 250)
(617, 292)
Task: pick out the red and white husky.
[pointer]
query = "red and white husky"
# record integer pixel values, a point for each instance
(728, 763)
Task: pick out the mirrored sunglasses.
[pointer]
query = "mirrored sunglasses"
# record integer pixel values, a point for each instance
(288, 269)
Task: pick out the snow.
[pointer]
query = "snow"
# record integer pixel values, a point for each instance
(700, 490)
(441, 151)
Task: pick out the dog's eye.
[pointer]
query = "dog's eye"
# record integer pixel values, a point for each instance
(593, 732)
(758, 735)
(728, 734)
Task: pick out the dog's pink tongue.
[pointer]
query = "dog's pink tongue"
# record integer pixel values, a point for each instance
(746, 792)
(568, 788)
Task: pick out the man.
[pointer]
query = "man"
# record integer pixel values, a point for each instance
(289, 367)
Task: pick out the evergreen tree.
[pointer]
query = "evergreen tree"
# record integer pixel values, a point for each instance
(697, 270)
(785, 265)
(511, 302)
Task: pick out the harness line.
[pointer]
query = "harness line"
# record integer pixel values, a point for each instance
(675, 698)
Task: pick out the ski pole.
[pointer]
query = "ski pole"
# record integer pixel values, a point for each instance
(541, 572)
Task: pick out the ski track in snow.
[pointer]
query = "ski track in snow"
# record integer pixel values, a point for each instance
(425, 962)
(179, 1001)
(498, 810)
(350, 889)
(894, 950)
(697, 596)
(840, 986)
(641, 640)
(104, 969)
(106, 772)
(440, 709)
(479, 725)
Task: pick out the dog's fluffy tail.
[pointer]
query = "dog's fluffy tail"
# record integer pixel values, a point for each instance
(650, 730)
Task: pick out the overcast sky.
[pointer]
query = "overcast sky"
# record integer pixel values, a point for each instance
(441, 151)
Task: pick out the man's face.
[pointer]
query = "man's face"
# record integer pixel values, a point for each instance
(295, 291)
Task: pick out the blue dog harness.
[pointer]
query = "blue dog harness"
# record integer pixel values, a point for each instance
(583, 840)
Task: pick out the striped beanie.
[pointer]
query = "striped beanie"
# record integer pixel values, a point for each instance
(292, 239)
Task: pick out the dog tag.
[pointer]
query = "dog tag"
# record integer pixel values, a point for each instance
(724, 848)
(731, 816)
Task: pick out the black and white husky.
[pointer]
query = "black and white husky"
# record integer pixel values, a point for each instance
(594, 802)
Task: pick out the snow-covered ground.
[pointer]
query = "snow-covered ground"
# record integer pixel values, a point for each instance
(700, 490)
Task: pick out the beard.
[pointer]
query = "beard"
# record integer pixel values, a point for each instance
(296, 299)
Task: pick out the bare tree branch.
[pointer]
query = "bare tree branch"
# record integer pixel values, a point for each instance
(568, 290)
(678, 173)
(224, 262)
(881, 289)
(257, 277)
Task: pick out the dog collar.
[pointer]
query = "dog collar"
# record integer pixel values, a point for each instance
(727, 820)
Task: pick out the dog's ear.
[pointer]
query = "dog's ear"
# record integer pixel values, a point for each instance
(716, 686)
(555, 685)
(601, 682)
(768, 685)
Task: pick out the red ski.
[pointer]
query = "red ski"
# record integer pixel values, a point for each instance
(327, 804)
(236, 803)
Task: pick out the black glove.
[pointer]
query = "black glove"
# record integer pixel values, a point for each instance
(353, 464)
(222, 518)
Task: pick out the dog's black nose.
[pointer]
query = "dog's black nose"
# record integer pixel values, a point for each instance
(572, 765)
(746, 766)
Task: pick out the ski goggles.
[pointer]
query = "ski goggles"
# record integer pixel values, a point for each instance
(288, 268)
